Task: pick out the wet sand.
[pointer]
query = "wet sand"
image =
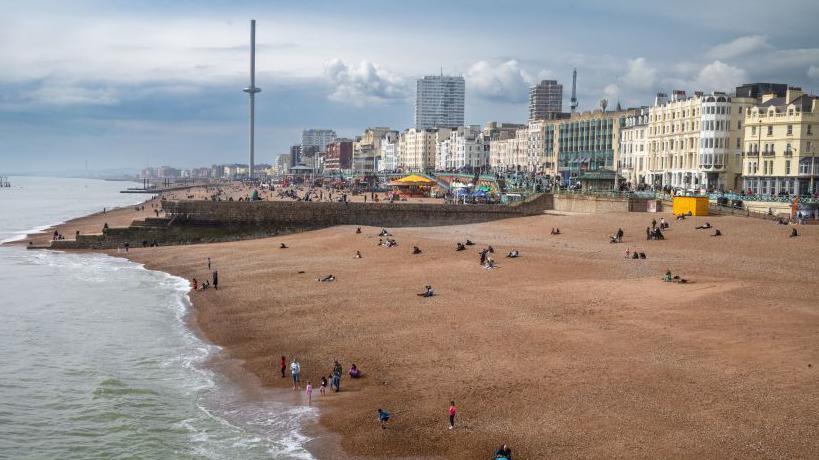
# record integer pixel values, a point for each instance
(568, 351)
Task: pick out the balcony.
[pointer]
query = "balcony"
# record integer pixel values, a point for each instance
(788, 153)
(768, 153)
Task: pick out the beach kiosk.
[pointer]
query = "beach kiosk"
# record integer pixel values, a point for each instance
(696, 205)
(413, 185)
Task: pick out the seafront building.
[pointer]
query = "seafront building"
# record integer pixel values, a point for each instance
(339, 156)
(417, 148)
(465, 147)
(780, 147)
(545, 100)
(695, 142)
(439, 102)
(317, 138)
(367, 149)
(633, 162)
(390, 155)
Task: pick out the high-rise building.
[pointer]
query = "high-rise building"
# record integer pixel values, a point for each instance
(318, 138)
(339, 155)
(545, 100)
(439, 102)
(295, 155)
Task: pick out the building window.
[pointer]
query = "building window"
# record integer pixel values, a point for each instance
(739, 124)
(810, 129)
(753, 130)
(738, 141)
(787, 167)
(770, 130)
(790, 130)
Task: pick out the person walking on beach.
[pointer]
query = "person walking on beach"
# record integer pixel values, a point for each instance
(452, 411)
(337, 370)
(216, 280)
(283, 365)
(208, 263)
(309, 390)
(295, 370)
(323, 385)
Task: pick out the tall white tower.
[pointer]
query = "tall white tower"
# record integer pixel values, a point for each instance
(251, 91)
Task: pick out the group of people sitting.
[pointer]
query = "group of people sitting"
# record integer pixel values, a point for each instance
(57, 236)
(635, 255)
(382, 233)
(416, 250)
(196, 286)
(387, 243)
(669, 278)
(654, 233)
(462, 246)
(555, 231)
(487, 260)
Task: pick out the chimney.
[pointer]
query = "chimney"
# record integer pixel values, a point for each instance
(793, 93)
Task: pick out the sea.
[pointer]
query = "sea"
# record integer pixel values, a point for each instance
(96, 359)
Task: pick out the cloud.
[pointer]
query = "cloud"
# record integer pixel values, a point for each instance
(365, 83)
(739, 47)
(611, 92)
(813, 71)
(718, 76)
(67, 93)
(507, 82)
(640, 74)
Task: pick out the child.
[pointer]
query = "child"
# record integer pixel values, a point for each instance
(309, 390)
(452, 411)
(383, 417)
(323, 385)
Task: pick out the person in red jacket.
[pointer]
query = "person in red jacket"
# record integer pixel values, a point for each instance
(452, 411)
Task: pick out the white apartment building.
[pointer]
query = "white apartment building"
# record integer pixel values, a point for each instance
(317, 138)
(465, 147)
(439, 102)
(417, 148)
(389, 152)
(633, 161)
(510, 154)
(695, 143)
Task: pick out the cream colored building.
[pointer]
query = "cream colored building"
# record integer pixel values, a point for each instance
(465, 147)
(633, 161)
(417, 148)
(367, 149)
(781, 145)
(695, 143)
(510, 154)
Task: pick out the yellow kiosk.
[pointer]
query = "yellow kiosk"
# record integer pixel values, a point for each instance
(696, 205)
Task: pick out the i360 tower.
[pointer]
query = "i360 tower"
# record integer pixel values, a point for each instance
(251, 91)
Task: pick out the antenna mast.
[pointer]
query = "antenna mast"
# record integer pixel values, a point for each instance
(251, 91)
(574, 90)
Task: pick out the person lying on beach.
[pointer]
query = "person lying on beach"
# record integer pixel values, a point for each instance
(717, 233)
(460, 247)
(681, 217)
(513, 253)
(357, 255)
(469, 243)
(383, 418)
(326, 279)
(704, 226)
(416, 250)
(355, 372)
(428, 291)
(283, 246)
(677, 279)
(794, 233)
(391, 243)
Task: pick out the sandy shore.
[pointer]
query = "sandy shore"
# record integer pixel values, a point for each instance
(568, 351)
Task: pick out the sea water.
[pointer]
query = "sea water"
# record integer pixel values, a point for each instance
(96, 360)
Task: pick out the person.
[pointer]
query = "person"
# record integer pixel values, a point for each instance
(619, 235)
(337, 370)
(416, 250)
(309, 391)
(452, 411)
(717, 233)
(327, 279)
(384, 232)
(648, 233)
(681, 217)
(195, 284)
(704, 226)
(663, 223)
(483, 256)
(358, 254)
(216, 280)
(653, 223)
(380, 242)
(490, 262)
(323, 385)
(460, 246)
(642, 255)
(513, 253)
(205, 285)
(503, 453)
(428, 291)
(794, 233)
(491, 250)
(295, 372)
(469, 243)
(283, 365)
(283, 246)
(383, 418)
(667, 277)
(354, 371)
(208, 263)
(553, 232)
(358, 230)
(127, 245)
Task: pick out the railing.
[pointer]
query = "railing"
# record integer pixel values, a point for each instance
(756, 198)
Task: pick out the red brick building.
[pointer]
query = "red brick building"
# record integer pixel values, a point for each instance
(339, 155)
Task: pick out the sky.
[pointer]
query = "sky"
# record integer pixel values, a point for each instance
(102, 85)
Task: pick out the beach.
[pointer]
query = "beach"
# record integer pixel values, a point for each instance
(570, 350)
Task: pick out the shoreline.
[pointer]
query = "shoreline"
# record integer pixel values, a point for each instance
(551, 345)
